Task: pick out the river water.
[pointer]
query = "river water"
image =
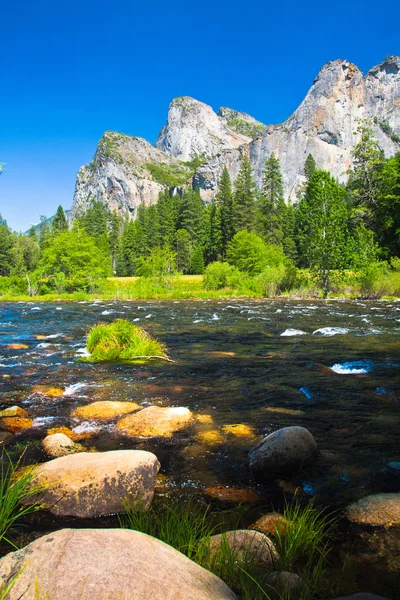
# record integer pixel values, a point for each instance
(331, 367)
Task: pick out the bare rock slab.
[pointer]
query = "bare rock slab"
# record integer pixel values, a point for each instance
(156, 421)
(100, 564)
(91, 484)
(378, 509)
(283, 451)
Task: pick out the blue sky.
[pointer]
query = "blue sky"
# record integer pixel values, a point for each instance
(71, 70)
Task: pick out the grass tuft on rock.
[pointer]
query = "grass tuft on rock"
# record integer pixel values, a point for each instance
(122, 341)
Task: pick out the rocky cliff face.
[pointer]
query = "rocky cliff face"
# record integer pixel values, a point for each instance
(324, 125)
(128, 171)
(193, 129)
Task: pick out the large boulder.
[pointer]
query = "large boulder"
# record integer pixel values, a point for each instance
(246, 545)
(59, 444)
(90, 484)
(106, 410)
(283, 451)
(156, 421)
(379, 509)
(100, 564)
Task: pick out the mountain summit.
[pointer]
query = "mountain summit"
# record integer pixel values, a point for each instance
(196, 143)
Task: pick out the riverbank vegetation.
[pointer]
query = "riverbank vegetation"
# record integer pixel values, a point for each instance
(335, 239)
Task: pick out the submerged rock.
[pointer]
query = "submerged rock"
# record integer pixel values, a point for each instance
(13, 411)
(232, 495)
(271, 523)
(106, 410)
(391, 477)
(59, 444)
(156, 421)
(379, 509)
(15, 424)
(98, 483)
(100, 564)
(285, 580)
(362, 596)
(285, 450)
(246, 545)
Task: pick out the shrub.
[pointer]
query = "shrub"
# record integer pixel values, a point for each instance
(122, 341)
(216, 275)
(269, 282)
(250, 254)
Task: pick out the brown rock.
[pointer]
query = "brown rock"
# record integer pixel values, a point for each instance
(284, 580)
(59, 444)
(48, 391)
(379, 509)
(13, 411)
(239, 430)
(156, 421)
(98, 483)
(15, 424)
(17, 347)
(104, 410)
(271, 523)
(103, 564)
(234, 495)
(246, 545)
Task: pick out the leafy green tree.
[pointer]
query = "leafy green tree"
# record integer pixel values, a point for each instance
(272, 206)
(25, 255)
(322, 225)
(387, 214)
(158, 265)
(76, 254)
(32, 233)
(6, 244)
(59, 222)
(309, 167)
(244, 205)
(250, 254)
(44, 232)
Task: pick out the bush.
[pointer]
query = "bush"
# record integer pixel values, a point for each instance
(122, 341)
(250, 254)
(375, 281)
(269, 282)
(216, 275)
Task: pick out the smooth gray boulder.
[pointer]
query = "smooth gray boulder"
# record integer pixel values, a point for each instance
(285, 450)
(103, 564)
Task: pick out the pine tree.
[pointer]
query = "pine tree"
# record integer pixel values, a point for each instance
(191, 217)
(244, 206)
(197, 261)
(115, 224)
(368, 161)
(183, 250)
(272, 203)
(224, 206)
(309, 167)
(322, 225)
(215, 241)
(44, 233)
(289, 231)
(94, 219)
(59, 222)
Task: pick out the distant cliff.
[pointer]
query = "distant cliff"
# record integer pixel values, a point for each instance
(196, 143)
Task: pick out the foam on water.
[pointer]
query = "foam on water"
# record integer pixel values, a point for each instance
(74, 388)
(329, 331)
(215, 317)
(291, 332)
(356, 367)
(108, 312)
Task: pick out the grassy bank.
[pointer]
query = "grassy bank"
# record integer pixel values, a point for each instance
(184, 287)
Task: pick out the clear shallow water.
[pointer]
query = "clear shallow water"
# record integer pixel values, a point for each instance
(336, 371)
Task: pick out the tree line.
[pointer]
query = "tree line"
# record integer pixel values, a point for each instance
(330, 227)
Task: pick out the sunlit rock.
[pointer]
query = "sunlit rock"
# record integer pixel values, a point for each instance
(58, 444)
(13, 411)
(103, 564)
(240, 430)
(378, 509)
(232, 495)
(210, 437)
(156, 421)
(104, 410)
(48, 391)
(15, 424)
(271, 523)
(90, 484)
(17, 347)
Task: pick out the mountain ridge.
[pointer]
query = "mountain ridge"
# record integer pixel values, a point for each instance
(197, 143)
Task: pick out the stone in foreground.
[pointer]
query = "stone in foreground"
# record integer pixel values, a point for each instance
(13, 411)
(156, 421)
(362, 596)
(106, 410)
(59, 444)
(283, 451)
(100, 564)
(379, 509)
(97, 483)
(246, 545)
